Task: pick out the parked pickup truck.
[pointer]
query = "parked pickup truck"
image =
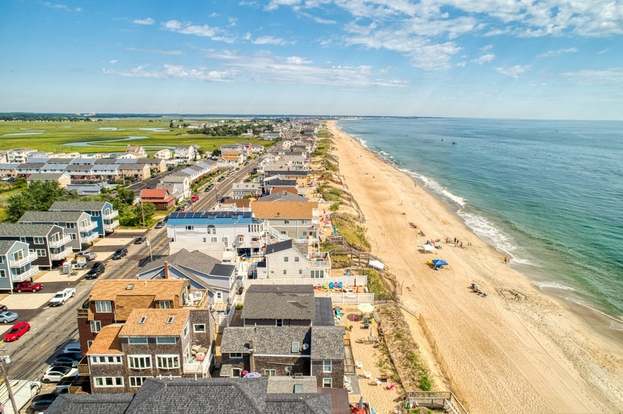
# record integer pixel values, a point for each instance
(61, 297)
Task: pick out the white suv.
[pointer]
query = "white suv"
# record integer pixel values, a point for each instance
(63, 296)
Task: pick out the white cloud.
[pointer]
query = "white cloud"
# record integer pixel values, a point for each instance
(317, 19)
(113, 61)
(148, 21)
(270, 40)
(297, 60)
(168, 71)
(557, 52)
(513, 71)
(60, 6)
(201, 30)
(597, 76)
(486, 58)
(164, 52)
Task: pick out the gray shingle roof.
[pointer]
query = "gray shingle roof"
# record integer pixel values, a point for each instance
(90, 404)
(5, 246)
(279, 247)
(324, 312)
(51, 216)
(279, 302)
(19, 229)
(327, 342)
(45, 176)
(274, 340)
(194, 260)
(77, 205)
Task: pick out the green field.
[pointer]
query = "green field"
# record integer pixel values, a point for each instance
(104, 136)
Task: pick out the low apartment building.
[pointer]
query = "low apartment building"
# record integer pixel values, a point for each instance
(297, 219)
(48, 242)
(159, 197)
(134, 171)
(287, 260)
(16, 263)
(102, 213)
(285, 330)
(62, 179)
(151, 343)
(246, 189)
(216, 232)
(77, 224)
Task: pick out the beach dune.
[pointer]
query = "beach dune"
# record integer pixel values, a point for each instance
(516, 350)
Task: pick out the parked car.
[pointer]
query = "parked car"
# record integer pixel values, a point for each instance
(62, 296)
(28, 287)
(8, 316)
(160, 224)
(17, 331)
(3, 307)
(68, 360)
(88, 254)
(55, 373)
(42, 402)
(140, 240)
(194, 198)
(120, 253)
(72, 347)
(97, 269)
(79, 263)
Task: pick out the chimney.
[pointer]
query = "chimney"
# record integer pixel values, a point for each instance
(166, 269)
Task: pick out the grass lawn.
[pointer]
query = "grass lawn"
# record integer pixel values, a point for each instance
(105, 136)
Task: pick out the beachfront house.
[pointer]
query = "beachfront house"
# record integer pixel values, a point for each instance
(48, 242)
(16, 263)
(285, 330)
(246, 189)
(292, 261)
(102, 213)
(295, 219)
(77, 224)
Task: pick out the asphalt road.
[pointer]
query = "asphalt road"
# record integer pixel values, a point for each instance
(53, 327)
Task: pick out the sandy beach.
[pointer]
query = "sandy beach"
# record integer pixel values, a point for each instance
(516, 350)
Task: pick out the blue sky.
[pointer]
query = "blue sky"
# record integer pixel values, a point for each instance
(486, 58)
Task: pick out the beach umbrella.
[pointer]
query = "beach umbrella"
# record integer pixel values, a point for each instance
(365, 308)
(253, 375)
(428, 248)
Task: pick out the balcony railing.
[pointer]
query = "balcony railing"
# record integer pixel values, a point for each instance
(113, 214)
(62, 254)
(29, 258)
(89, 237)
(111, 226)
(25, 275)
(60, 242)
(91, 226)
(192, 366)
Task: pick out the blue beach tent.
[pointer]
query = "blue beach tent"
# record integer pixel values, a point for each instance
(439, 263)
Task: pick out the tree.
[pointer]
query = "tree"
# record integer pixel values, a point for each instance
(216, 152)
(38, 196)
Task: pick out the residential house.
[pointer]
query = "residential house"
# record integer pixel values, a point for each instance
(159, 197)
(246, 189)
(135, 171)
(102, 213)
(213, 395)
(218, 279)
(105, 172)
(288, 260)
(164, 154)
(62, 179)
(86, 189)
(285, 330)
(112, 301)
(185, 154)
(16, 263)
(277, 182)
(19, 155)
(297, 220)
(136, 150)
(77, 224)
(8, 170)
(233, 154)
(156, 166)
(289, 174)
(26, 168)
(48, 241)
(215, 233)
(231, 204)
(178, 185)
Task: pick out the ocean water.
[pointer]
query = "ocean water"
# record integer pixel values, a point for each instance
(548, 193)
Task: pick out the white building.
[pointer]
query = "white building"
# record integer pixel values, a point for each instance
(285, 260)
(164, 154)
(178, 185)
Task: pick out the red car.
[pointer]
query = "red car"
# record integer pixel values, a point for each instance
(16, 331)
(194, 198)
(28, 287)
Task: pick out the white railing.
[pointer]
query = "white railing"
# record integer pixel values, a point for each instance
(25, 275)
(196, 367)
(111, 215)
(347, 281)
(61, 255)
(111, 226)
(346, 298)
(91, 226)
(90, 237)
(29, 258)
(60, 242)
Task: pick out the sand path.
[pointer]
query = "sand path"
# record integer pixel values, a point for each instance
(500, 355)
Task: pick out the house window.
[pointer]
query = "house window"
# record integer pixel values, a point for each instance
(270, 372)
(214, 239)
(298, 388)
(279, 322)
(327, 366)
(168, 361)
(297, 259)
(89, 343)
(327, 382)
(139, 361)
(300, 271)
(38, 240)
(108, 381)
(137, 340)
(1, 259)
(137, 382)
(103, 306)
(219, 295)
(235, 355)
(41, 253)
(186, 329)
(2, 273)
(72, 236)
(199, 327)
(96, 326)
(296, 347)
(285, 259)
(166, 340)
(165, 304)
(100, 360)
(190, 228)
(288, 369)
(236, 372)
(285, 271)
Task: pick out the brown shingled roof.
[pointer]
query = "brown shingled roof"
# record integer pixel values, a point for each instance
(155, 322)
(107, 341)
(160, 289)
(292, 210)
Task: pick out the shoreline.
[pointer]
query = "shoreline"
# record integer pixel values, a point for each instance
(533, 346)
(606, 324)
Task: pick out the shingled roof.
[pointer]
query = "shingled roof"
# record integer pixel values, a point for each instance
(279, 302)
(272, 340)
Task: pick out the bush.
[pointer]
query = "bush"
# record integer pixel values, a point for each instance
(377, 286)
(353, 233)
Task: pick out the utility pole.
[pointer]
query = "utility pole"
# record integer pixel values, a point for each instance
(151, 257)
(142, 213)
(4, 360)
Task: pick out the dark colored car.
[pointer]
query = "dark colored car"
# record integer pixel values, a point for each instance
(28, 287)
(120, 253)
(43, 401)
(140, 240)
(68, 360)
(97, 269)
(160, 224)
(3, 308)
